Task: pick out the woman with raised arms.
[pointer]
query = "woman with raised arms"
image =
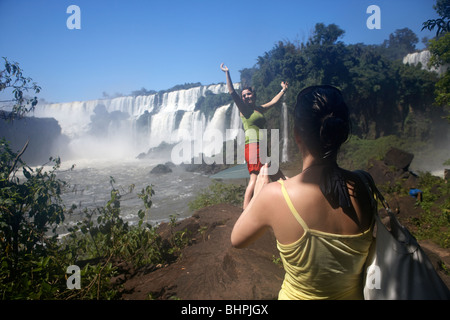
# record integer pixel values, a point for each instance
(252, 117)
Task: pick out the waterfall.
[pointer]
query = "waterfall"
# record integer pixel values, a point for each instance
(128, 126)
(218, 120)
(284, 115)
(212, 145)
(423, 57)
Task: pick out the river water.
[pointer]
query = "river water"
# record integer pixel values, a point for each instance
(89, 186)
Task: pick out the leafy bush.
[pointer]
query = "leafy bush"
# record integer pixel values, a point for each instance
(356, 152)
(30, 203)
(434, 223)
(33, 262)
(218, 193)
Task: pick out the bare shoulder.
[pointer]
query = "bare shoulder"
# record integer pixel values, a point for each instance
(272, 189)
(269, 196)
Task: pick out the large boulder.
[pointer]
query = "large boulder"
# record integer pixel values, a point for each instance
(393, 168)
(161, 169)
(400, 159)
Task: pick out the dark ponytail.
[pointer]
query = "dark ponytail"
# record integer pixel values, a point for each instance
(333, 133)
(322, 121)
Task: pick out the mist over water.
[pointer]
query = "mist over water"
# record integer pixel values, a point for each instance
(124, 127)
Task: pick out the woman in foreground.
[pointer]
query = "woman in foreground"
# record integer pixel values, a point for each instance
(322, 218)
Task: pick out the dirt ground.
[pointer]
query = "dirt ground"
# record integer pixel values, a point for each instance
(210, 268)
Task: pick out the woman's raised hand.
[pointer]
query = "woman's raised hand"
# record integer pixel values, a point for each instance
(284, 85)
(224, 67)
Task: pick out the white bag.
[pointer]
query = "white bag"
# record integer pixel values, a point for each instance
(397, 268)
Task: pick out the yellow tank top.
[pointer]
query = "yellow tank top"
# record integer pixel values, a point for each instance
(323, 265)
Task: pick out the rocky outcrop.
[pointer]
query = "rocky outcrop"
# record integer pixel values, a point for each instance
(161, 169)
(393, 168)
(43, 134)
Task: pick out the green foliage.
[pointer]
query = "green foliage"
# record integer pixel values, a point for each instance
(144, 92)
(31, 209)
(102, 234)
(356, 152)
(185, 86)
(11, 77)
(441, 24)
(434, 222)
(380, 91)
(326, 35)
(208, 103)
(440, 52)
(217, 193)
(33, 261)
(400, 43)
(178, 239)
(440, 55)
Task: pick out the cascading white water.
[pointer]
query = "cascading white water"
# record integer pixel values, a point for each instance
(217, 124)
(423, 57)
(111, 128)
(124, 127)
(162, 126)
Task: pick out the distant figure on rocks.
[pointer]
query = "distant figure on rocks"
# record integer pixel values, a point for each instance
(322, 218)
(416, 193)
(252, 117)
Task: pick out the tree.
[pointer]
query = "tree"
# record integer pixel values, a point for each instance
(326, 35)
(30, 205)
(400, 43)
(441, 24)
(12, 78)
(440, 51)
(381, 92)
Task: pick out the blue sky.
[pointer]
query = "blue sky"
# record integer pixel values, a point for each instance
(126, 45)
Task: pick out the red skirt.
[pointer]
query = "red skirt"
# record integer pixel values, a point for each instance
(252, 157)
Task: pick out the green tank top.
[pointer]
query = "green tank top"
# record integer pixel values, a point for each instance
(256, 121)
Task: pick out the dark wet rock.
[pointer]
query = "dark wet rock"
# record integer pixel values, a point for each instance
(161, 169)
